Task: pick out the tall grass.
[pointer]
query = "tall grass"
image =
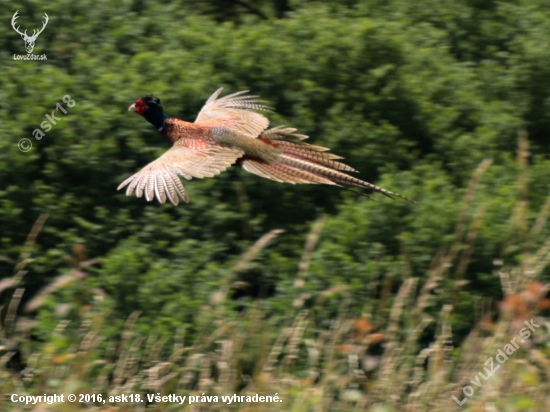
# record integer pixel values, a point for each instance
(355, 364)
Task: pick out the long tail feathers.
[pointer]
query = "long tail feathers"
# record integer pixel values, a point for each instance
(300, 162)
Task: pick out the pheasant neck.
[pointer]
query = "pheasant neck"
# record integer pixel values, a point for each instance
(156, 118)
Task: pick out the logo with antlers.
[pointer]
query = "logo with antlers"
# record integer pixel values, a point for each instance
(29, 40)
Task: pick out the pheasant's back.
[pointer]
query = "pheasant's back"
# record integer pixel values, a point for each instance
(186, 134)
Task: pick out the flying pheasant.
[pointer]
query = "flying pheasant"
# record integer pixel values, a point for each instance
(227, 131)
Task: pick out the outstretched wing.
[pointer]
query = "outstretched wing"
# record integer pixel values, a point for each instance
(160, 177)
(234, 111)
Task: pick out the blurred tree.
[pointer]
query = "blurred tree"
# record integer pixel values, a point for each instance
(413, 94)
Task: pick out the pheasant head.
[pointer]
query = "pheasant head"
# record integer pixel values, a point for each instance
(149, 106)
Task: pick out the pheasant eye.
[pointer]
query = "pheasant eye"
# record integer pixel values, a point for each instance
(140, 106)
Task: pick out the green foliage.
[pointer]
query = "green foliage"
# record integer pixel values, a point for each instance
(415, 95)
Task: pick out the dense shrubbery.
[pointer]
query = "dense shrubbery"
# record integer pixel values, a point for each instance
(415, 95)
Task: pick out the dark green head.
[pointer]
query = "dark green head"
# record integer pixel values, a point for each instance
(150, 107)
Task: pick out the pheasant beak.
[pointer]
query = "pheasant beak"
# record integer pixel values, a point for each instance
(132, 108)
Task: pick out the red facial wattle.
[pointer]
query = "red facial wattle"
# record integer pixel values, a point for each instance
(140, 106)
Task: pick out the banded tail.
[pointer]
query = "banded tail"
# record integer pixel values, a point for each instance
(299, 162)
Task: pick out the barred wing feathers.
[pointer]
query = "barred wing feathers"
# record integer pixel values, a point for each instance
(235, 112)
(160, 178)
